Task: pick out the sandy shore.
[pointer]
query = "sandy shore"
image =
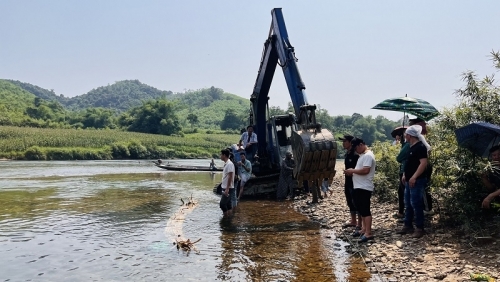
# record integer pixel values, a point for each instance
(441, 255)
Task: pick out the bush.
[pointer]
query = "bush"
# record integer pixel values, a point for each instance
(34, 153)
(120, 151)
(137, 150)
(386, 179)
(59, 154)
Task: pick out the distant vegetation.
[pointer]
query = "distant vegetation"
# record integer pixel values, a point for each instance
(94, 125)
(130, 105)
(106, 144)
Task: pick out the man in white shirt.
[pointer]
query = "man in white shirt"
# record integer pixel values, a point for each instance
(362, 178)
(227, 183)
(248, 142)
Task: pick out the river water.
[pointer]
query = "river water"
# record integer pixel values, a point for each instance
(106, 221)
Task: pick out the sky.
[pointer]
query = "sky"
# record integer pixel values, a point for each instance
(352, 54)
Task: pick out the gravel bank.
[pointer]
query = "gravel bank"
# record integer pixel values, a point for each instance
(441, 255)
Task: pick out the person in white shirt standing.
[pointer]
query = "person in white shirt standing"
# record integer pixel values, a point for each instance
(245, 170)
(227, 183)
(362, 178)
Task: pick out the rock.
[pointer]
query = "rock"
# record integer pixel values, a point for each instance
(437, 250)
(399, 244)
(440, 276)
(419, 259)
(388, 271)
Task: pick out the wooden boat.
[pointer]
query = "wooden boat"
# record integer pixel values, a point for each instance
(186, 167)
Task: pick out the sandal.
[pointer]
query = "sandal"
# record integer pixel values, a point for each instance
(357, 234)
(363, 238)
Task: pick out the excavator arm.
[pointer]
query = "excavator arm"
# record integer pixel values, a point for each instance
(279, 51)
(314, 148)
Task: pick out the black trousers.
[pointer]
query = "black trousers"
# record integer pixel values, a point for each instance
(349, 194)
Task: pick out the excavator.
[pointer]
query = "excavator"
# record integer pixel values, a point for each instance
(314, 148)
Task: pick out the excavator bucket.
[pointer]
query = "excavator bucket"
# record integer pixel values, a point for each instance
(315, 155)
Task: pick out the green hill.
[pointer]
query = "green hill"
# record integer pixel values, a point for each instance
(13, 103)
(210, 106)
(120, 96)
(47, 95)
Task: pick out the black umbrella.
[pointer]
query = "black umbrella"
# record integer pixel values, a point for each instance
(478, 137)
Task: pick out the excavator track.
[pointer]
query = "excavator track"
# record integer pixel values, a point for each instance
(261, 186)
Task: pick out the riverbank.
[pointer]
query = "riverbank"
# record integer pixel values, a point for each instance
(441, 255)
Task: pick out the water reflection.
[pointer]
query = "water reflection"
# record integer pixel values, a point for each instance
(27, 204)
(270, 241)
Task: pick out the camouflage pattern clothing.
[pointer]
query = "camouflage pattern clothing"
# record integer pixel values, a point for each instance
(286, 184)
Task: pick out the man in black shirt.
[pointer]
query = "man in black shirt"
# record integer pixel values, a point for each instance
(351, 158)
(415, 181)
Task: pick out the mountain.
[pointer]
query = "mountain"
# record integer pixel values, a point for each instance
(121, 96)
(209, 104)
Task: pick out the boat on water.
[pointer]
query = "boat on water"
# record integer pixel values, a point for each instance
(186, 167)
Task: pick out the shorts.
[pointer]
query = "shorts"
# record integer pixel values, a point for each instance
(244, 179)
(361, 199)
(225, 203)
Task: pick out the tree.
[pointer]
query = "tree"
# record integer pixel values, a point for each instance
(193, 119)
(156, 117)
(231, 121)
(98, 118)
(276, 111)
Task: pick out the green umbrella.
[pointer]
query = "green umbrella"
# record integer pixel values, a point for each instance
(414, 106)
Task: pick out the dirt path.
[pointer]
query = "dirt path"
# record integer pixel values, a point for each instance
(441, 255)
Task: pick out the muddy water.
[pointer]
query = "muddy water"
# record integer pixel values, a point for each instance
(105, 220)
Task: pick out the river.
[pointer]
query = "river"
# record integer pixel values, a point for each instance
(106, 221)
